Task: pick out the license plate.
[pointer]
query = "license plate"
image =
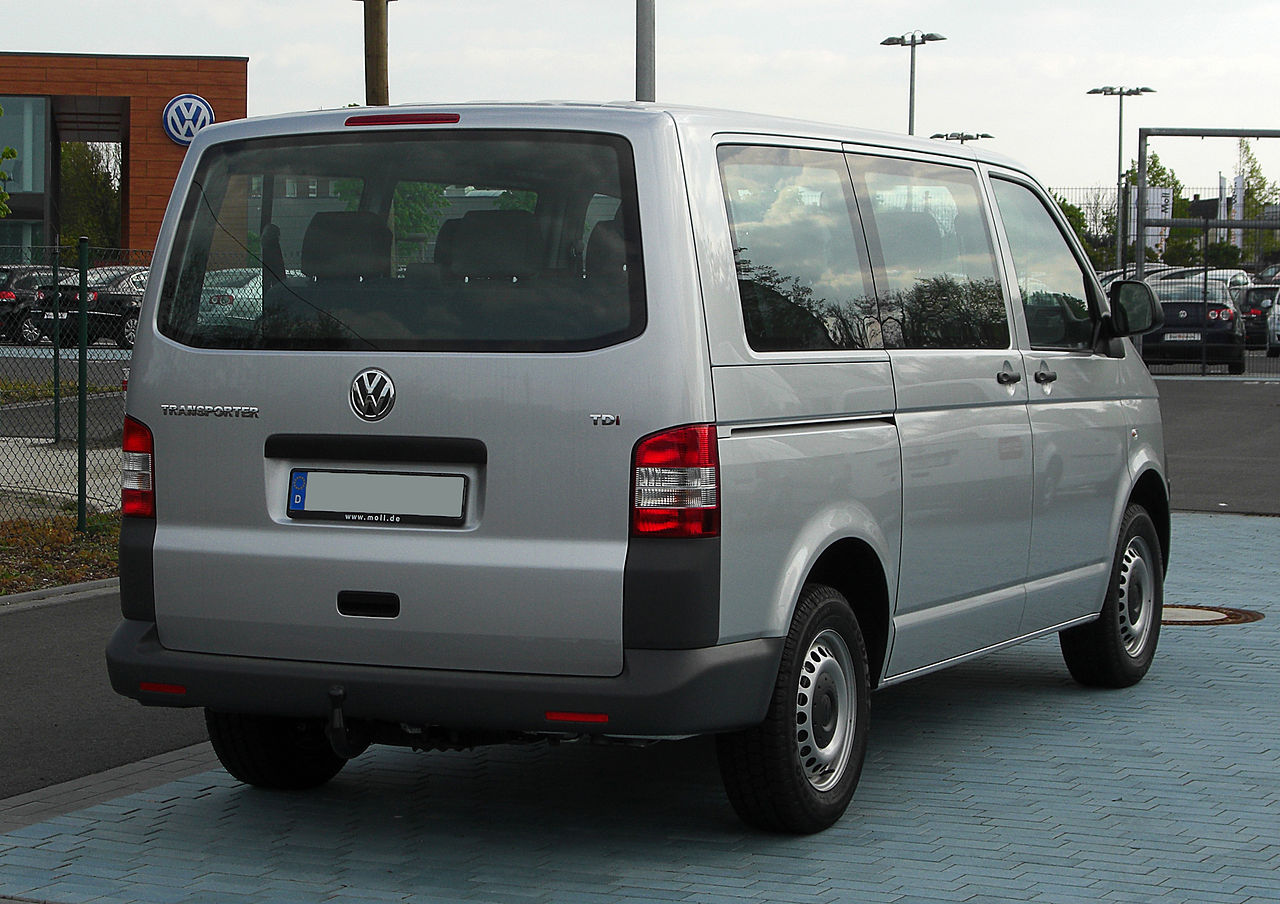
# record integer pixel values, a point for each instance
(62, 315)
(1181, 337)
(366, 497)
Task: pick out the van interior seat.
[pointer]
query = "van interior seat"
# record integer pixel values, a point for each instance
(606, 252)
(496, 244)
(346, 244)
(911, 242)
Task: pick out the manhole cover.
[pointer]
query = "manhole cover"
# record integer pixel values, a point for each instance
(1208, 615)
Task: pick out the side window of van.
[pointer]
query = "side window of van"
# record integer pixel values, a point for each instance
(939, 287)
(802, 275)
(1055, 295)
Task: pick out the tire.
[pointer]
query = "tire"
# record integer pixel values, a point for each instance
(1116, 650)
(1236, 367)
(273, 752)
(1273, 352)
(784, 775)
(128, 333)
(28, 331)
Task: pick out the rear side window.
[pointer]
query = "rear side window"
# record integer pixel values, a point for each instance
(410, 241)
(938, 284)
(802, 275)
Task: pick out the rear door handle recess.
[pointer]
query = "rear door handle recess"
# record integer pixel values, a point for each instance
(1046, 376)
(1008, 377)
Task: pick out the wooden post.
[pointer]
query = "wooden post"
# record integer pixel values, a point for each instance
(376, 90)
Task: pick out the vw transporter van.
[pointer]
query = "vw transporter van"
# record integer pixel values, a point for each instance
(621, 422)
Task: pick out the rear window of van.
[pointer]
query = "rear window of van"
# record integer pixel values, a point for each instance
(409, 241)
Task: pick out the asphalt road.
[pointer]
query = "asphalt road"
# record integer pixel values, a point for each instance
(59, 718)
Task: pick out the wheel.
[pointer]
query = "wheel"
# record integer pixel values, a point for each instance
(1273, 352)
(797, 771)
(1236, 367)
(28, 332)
(1116, 650)
(128, 331)
(273, 752)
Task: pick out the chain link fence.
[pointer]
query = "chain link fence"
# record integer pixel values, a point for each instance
(62, 376)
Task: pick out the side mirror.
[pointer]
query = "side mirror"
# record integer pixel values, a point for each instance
(1134, 308)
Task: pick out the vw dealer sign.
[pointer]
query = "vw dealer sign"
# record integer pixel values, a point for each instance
(185, 115)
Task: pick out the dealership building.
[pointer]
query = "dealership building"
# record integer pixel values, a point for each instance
(151, 105)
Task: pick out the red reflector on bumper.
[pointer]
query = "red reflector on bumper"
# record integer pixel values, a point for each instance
(593, 718)
(155, 687)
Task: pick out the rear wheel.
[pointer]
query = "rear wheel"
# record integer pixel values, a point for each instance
(1116, 650)
(128, 331)
(797, 771)
(1236, 367)
(273, 752)
(29, 330)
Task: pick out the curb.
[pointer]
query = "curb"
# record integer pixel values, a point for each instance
(49, 596)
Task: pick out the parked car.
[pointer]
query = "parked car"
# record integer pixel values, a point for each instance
(1255, 305)
(1273, 331)
(18, 286)
(1234, 278)
(1197, 330)
(115, 298)
(1106, 277)
(1268, 274)
(727, 421)
(232, 297)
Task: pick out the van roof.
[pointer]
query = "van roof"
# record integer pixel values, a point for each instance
(702, 119)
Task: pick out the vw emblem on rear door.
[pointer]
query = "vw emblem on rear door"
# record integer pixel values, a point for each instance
(372, 394)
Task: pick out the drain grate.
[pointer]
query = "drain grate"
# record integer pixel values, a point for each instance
(1208, 616)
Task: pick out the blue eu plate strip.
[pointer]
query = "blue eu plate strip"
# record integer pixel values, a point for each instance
(298, 492)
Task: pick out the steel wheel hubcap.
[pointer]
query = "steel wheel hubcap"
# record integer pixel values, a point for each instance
(1137, 597)
(825, 710)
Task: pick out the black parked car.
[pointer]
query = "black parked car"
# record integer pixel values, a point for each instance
(18, 285)
(1255, 308)
(115, 298)
(1195, 329)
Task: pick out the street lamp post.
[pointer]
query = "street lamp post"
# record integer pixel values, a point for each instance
(912, 40)
(1121, 92)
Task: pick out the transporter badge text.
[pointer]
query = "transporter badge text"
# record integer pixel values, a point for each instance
(210, 410)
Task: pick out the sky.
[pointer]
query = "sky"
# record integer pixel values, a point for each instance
(1019, 70)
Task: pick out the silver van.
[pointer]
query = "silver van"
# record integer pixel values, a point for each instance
(621, 422)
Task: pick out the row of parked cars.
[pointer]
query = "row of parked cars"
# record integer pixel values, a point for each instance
(33, 307)
(1212, 316)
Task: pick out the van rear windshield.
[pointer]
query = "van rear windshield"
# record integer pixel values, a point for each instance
(474, 240)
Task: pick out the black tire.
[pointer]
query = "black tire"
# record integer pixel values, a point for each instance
(1116, 650)
(273, 752)
(128, 333)
(784, 775)
(28, 331)
(1273, 352)
(1236, 367)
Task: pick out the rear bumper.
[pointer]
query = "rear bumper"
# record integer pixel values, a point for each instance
(659, 692)
(1214, 349)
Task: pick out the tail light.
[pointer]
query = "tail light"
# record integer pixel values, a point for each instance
(137, 476)
(676, 490)
(220, 300)
(1226, 315)
(6, 295)
(93, 296)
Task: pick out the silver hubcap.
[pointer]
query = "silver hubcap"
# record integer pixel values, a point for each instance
(130, 329)
(1137, 597)
(30, 330)
(825, 710)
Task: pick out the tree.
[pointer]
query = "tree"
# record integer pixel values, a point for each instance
(6, 153)
(90, 194)
(1258, 193)
(1095, 245)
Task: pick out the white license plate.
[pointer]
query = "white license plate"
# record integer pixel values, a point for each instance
(365, 497)
(1181, 337)
(62, 315)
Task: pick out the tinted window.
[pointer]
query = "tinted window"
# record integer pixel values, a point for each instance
(1055, 294)
(938, 285)
(799, 257)
(442, 240)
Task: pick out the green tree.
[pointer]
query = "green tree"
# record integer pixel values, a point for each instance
(1096, 246)
(1258, 193)
(90, 194)
(6, 153)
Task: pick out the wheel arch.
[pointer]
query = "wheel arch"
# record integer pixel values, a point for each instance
(851, 566)
(1151, 493)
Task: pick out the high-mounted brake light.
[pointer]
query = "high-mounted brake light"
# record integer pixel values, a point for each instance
(585, 718)
(676, 484)
(403, 119)
(137, 474)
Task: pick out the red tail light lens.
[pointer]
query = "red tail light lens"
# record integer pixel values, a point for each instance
(676, 484)
(8, 296)
(1226, 315)
(137, 476)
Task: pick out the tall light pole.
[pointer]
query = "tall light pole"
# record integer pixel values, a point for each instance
(1121, 92)
(912, 40)
(645, 51)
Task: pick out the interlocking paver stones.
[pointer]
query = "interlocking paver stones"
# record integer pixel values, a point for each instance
(998, 780)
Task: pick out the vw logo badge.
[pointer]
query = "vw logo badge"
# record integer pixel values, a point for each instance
(1182, 315)
(185, 115)
(372, 394)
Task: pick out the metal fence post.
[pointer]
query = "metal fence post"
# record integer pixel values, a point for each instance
(57, 356)
(82, 440)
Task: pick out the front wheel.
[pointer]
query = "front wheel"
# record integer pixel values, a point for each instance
(271, 751)
(128, 333)
(1116, 650)
(1236, 367)
(29, 330)
(797, 771)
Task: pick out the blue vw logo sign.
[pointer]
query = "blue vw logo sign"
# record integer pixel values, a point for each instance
(185, 115)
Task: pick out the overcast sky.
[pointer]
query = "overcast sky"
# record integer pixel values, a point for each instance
(1014, 68)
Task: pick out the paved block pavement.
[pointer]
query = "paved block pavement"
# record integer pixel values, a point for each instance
(1000, 780)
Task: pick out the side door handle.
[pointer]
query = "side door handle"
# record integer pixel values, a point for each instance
(1008, 377)
(1046, 376)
